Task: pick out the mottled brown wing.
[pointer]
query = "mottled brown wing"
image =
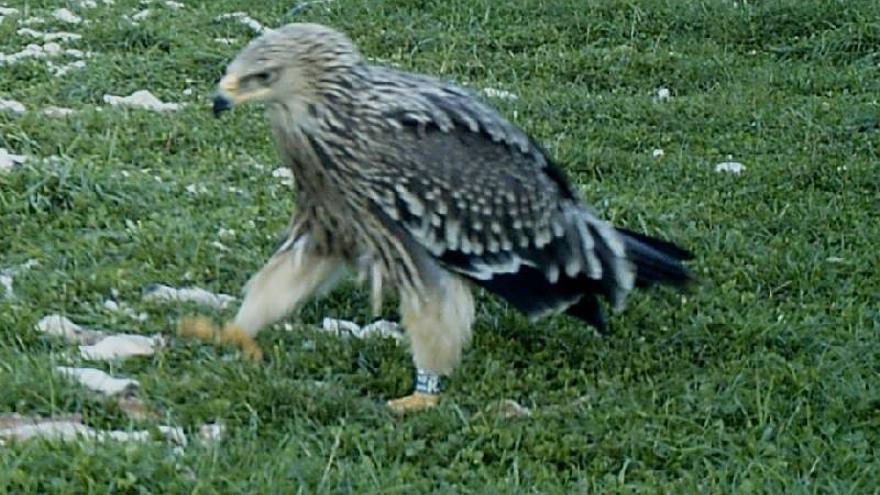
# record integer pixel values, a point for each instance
(473, 190)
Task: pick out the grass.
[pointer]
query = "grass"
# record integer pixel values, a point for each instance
(763, 381)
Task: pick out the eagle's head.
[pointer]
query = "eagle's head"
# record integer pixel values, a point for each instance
(285, 65)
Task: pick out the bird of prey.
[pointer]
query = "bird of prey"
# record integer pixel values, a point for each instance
(431, 192)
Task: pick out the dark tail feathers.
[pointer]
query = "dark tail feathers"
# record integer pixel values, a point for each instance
(657, 261)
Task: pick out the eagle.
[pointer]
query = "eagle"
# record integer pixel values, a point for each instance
(428, 190)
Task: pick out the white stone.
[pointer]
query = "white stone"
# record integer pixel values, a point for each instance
(346, 328)
(509, 408)
(499, 93)
(91, 4)
(141, 99)
(56, 112)
(60, 70)
(284, 173)
(730, 167)
(211, 432)
(658, 153)
(12, 106)
(173, 434)
(121, 346)
(197, 189)
(663, 94)
(7, 277)
(8, 160)
(99, 381)
(59, 36)
(52, 49)
(189, 294)
(124, 309)
(30, 51)
(32, 21)
(244, 19)
(6, 281)
(141, 15)
(382, 328)
(339, 327)
(59, 326)
(7, 12)
(67, 16)
(71, 429)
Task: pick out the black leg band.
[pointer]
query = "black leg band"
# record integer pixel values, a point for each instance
(428, 382)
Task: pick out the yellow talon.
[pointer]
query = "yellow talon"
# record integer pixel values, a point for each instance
(204, 329)
(236, 336)
(413, 403)
(199, 327)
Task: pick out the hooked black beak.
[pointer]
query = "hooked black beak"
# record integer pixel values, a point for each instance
(221, 104)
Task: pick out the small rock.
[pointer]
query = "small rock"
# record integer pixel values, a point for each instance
(57, 112)
(735, 168)
(173, 434)
(512, 409)
(282, 172)
(67, 16)
(196, 189)
(346, 328)
(121, 346)
(8, 160)
(6, 282)
(141, 99)
(663, 94)
(124, 309)
(211, 432)
(60, 70)
(499, 93)
(60, 326)
(382, 328)
(71, 428)
(339, 327)
(32, 21)
(141, 15)
(99, 381)
(60, 36)
(658, 153)
(7, 277)
(160, 292)
(244, 19)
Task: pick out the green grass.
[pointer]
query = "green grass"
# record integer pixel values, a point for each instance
(765, 380)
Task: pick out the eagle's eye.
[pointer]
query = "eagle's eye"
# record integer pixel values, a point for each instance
(264, 78)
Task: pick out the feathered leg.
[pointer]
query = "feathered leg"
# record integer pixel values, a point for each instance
(292, 275)
(439, 326)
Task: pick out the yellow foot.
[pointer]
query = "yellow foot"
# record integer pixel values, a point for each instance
(413, 403)
(199, 327)
(203, 328)
(233, 334)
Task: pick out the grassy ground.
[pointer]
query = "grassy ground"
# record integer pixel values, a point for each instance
(764, 380)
